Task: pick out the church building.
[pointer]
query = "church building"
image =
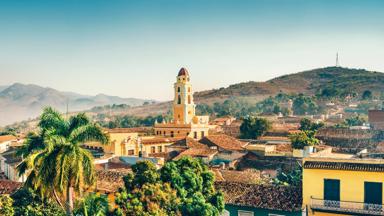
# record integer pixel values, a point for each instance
(185, 122)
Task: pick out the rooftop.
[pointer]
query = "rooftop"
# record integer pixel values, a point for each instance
(155, 140)
(350, 166)
(9, 187)
(188, 142)
(263, 196)
(110, 180)
(130, 130)
(197, 152)
(249, 176)
(224, 141)
(6, 138)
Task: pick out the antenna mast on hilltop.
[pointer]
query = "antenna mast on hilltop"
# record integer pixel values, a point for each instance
(337, 60)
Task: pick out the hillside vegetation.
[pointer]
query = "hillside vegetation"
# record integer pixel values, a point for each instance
(337, 80)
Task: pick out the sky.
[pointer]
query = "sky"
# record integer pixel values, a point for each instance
(135, 48)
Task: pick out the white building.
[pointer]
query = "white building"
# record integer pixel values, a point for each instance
(6, 141)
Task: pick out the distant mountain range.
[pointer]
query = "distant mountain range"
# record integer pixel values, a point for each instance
(21, 102)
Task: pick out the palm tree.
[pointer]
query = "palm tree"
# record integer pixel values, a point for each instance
(54, 160)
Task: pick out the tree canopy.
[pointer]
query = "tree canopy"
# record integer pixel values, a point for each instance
(253, 127)
(183, 187)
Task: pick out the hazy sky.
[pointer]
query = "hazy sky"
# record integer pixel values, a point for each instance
(135, 48)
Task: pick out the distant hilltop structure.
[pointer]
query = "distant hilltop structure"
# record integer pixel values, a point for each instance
(185, 122)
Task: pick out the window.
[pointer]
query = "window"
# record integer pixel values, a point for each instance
(373, 193)
(153, 149)
(189, 99)
(131, 152)
(202, 134)
(195, 135)
(244, 213)
(189, 89)
(172, 135)
(331, 191)
(178, 99)
(159, 148)
(178, 89)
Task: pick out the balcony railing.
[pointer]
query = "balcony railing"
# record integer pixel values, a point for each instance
(347, 207)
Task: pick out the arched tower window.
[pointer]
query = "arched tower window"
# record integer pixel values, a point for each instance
(178, 99)
(189, 99)
(178, 89)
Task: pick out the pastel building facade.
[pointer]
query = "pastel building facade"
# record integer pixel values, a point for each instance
(338, 185)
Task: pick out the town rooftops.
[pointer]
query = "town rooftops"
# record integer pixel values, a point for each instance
(283, 198)
(159, 140)
(130, 130)
(7, 138)
(110, 180)
(246, 176)
(350, 166)
(188, 142)
(224, 141)
(197, 152)
(9, 187)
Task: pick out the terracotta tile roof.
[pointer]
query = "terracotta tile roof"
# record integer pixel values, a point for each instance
(7, 138)
(284, 148)
(246, 176)
(9, 187)
(274, 138)
(156, 140)
(263, 196)
(344, 166)
(188, 143)
(197, 152)
(130, 130)
(224, 141)
(110, 180)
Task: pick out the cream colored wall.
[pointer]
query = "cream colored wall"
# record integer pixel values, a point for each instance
(147, 147)
(117, 143)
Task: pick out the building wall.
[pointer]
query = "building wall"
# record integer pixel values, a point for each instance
(119, 143)
(234, 211)
(4, 146)
(351, 184)
(182, 131)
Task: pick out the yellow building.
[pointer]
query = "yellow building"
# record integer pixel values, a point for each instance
(122, 142)
(185, 122)
(339, 184)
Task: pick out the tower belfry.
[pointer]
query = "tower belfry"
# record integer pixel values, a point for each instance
(185, 121)
(183, 106)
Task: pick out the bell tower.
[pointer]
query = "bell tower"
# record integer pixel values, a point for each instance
(183, 106)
